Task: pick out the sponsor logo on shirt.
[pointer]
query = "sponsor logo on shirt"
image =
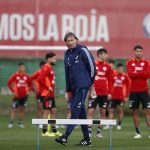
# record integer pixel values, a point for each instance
(101, 73)
(21, 81)
(118, 82)
(122, 78)
(138, 68)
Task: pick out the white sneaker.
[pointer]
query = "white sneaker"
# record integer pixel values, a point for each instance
(118, 127)
(10, 125)
(137, 136)
(99, 135)
(106, 127)
(21, 125)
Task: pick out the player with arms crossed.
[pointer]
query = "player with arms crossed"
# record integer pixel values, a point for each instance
(138, 71)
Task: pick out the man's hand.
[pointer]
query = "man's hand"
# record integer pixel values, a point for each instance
(28, 93)
(109, 96)
(15, 94)
(126, 99)
(37, 91)
(50, 89)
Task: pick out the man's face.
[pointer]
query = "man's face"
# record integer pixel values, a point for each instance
(21, 68)
(138, 53)
(112, 65)
(52, 60)
(120, 69)
(103, 56)
(71, 42)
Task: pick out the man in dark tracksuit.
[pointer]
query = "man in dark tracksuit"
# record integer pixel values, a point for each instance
(80, 73)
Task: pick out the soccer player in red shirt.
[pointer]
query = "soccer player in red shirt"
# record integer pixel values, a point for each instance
(47, 83)
(20, 84)
(39, 98)
(111, 62)
(138, 71)
(103, 86)
(120, 93)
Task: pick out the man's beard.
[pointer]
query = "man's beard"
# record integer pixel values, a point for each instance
(138, 57)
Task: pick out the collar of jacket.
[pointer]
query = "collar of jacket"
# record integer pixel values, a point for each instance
(73, 49)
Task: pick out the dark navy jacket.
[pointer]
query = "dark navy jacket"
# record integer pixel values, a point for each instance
(79, 68)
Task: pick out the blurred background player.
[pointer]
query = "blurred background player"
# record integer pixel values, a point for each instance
(38, 89)
(120, 92)
(111, 62)
(138, 71)
(20, 84)
(103, 86)
(47, 83)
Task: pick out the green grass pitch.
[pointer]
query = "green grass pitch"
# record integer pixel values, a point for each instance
(26, 139)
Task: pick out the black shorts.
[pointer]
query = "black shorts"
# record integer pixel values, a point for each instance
(49, 103)
(99, 100)
(136, 98)
(114, 103)
(19, 102)
(40, 99)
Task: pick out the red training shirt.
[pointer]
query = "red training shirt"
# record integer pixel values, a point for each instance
(46, 80)
(21, 84)
(34, 77)
(120, 88)
(138, 71)
(103, 79)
